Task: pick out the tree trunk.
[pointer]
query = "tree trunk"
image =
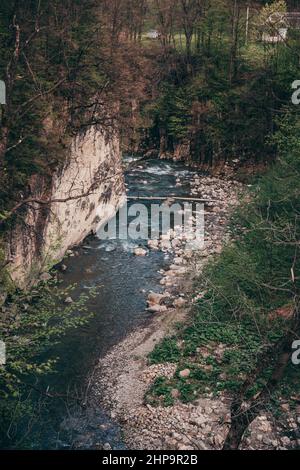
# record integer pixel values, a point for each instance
(234, 42)
(3, 146)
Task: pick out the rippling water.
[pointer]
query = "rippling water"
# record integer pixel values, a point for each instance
(123, 281)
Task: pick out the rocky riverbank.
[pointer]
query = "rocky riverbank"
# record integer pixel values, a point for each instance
(124, 375)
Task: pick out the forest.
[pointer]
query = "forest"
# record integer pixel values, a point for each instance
(166, 100)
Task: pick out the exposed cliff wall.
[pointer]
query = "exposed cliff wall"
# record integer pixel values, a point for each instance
(85, 194)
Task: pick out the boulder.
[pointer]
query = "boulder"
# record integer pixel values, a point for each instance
(155, 298)
(157, 309)
(184, 374)
(140, 252)
(153, 244)
(179, 303)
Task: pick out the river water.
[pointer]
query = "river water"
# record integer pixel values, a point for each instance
(123, 281)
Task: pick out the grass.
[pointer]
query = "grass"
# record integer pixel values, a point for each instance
(220, 349)
(215, 351)
(218, 353)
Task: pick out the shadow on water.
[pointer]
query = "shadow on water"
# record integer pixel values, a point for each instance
(123, 281)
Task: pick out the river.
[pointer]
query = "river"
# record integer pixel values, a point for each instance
(123, 281)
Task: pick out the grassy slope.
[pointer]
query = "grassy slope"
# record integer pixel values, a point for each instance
(235, 321)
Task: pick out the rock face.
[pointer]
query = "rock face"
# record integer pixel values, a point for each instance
(86, 192)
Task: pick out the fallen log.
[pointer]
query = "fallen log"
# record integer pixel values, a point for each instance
(166, 198)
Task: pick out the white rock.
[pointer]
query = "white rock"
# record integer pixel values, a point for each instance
(165, 237)
(165, 244)
(175, 393)
(199, 421)
(154, 298)
(140, 252)
(185, 373)
(45, 277)
(285, 441)
(153, 244)
(107, 446)
(157, 308)
(175, 243)
(179, 303)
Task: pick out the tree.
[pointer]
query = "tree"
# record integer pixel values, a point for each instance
(190, 13)
(65, 70)
(135, 11)
(166, 11)
(273, 221)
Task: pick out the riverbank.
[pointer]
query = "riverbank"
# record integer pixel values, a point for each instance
(144, 305)
(166, 390)
(125, 375)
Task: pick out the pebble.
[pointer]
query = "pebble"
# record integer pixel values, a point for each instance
(107, 446)
(140, 252)
(175, 393)
(185, 373)
(153, 244)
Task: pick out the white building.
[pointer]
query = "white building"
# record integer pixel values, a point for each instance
(153, 34)
(278, 25)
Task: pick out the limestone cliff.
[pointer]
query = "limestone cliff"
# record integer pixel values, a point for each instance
(84, 194)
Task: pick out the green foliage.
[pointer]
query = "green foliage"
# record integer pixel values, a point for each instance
(247, 287)
(268, 18)
(160, 390)
(167, 350)
(31, 323)
(218, 350)
(224, 114)
(6, 285)
(52, 80)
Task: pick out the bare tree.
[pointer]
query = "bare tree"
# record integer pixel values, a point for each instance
(135, 14)
(235, 17)
(190, 13)
(166, 15)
